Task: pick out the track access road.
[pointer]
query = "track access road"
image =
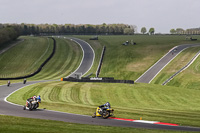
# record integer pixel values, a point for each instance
(17, 110)
(151, 73)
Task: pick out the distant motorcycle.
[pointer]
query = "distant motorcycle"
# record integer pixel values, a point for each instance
(32, 104)
(104, 112)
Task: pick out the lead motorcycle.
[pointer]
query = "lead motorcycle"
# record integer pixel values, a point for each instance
(32, 104)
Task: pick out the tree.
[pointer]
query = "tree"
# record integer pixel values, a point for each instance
(151, 31)
(180, 31)
(143, 30)
(173, 31)
(128, 31)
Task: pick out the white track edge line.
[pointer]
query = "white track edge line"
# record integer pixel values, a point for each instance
(93, 55)
(81, 59)
(166, 65)
(156, 63)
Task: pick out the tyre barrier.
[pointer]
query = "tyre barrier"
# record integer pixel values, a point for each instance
(41, 66)
(97, 79)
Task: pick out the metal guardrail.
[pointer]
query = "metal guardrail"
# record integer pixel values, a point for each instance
(101, 61)
(183, 68)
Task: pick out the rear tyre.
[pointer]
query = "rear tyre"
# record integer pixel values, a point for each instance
(30, 107)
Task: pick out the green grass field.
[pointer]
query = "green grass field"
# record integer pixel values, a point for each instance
(178, 102)
(129, 62)
(155, 102)
(10, 124)
(189, 78)
(26, 57)
(67, 58)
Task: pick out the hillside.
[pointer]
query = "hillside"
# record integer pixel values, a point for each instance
(129, 62)
(178, 105)
(26, 57)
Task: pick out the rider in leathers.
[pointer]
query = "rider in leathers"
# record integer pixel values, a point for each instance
(105, 106)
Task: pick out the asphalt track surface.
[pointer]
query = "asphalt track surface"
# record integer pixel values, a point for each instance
(87, 60)
(151, 73)
(17, 110)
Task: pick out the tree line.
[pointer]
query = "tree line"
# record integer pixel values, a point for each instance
(193, 31)
(8, 33)
(72, 29)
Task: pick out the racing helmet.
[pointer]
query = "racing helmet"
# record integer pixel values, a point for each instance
(34, 97)
(107, 104)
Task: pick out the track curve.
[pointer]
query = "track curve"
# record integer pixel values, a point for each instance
(151, 73)
(87, 60)
(7, 108)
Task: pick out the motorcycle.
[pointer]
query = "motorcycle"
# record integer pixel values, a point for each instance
(104, 112)
(32, 104)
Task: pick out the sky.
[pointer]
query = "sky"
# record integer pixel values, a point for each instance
(162, 15)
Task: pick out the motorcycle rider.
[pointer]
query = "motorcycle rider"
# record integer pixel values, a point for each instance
(34, 98)
(103, 107)
(106, 105)
(38, 98)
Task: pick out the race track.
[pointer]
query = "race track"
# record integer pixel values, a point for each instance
(17, 110)
(151, 73)
(88, 58)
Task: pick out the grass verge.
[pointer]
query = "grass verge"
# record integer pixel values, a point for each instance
(10, 124)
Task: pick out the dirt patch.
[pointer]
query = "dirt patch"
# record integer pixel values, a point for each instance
(140, 66)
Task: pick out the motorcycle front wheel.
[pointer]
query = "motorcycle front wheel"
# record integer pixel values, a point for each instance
(94, 115)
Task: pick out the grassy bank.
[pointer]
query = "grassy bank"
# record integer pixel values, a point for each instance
(189, 78)
(26, 57)
(129, 62)
(180, 61)
(10, 124)
(67, 58)
(155, 102)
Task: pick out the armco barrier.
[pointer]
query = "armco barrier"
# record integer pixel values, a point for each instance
(39, 69)
(97, 79)
(101, 61)
(183, 68)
